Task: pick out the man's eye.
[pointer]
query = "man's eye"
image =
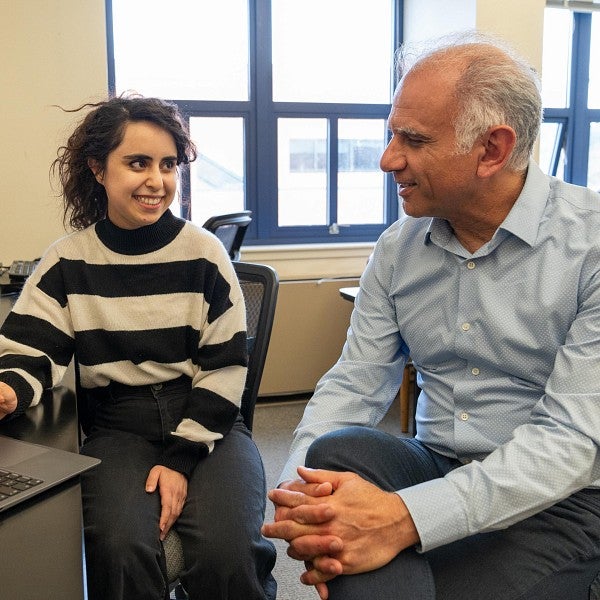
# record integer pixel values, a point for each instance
(414, 141)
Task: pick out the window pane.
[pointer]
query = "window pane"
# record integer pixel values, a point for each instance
(333, 51)
(302, 174)
(183, 33)
(549, 138)
(594, 89)
(360, 180)
(593, 179)
(556, 58)
(217, 175)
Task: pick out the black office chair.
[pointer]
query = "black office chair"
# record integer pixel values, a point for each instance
(259, 285)
(230, 229)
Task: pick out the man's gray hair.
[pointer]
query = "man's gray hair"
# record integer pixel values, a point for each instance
(496, 87)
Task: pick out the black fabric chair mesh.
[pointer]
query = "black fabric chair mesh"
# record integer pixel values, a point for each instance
(259, 285)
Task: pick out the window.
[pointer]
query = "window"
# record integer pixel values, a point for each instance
(287, 103)
(570, 136)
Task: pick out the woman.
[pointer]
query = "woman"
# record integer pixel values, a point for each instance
(151, 306)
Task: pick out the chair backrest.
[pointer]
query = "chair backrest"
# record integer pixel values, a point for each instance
(230, 229)
(259, 285)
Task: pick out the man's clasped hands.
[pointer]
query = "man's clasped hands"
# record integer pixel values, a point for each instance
(337, 522)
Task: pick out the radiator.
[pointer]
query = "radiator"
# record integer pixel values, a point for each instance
(309, 331)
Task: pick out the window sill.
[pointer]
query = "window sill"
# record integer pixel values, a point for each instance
(312, 261)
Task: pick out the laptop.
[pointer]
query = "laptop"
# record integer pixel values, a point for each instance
(31, 469)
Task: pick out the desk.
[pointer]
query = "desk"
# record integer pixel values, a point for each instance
(41, 540)
(8, 286)
(408, 391)
(349, 293)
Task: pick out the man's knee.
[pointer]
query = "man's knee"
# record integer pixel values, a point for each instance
(341, 450)
(390, 462)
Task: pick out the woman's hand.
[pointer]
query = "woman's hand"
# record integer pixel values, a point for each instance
(172, 487)
(8, 400)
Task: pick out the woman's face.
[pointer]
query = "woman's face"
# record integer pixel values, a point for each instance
(140, 177)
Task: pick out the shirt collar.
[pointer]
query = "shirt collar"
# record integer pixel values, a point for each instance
(524, 217)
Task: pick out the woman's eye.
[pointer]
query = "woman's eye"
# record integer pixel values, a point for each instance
(169, 164)
(137, 164)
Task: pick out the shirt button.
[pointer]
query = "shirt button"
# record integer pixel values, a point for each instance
(470, 265)
(475, 371)
(464, 416)
(465, 326)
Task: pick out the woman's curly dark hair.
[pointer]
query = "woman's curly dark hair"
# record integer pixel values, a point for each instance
(96, 136)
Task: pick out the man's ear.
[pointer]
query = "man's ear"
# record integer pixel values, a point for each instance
(498, 142)
(94, 165)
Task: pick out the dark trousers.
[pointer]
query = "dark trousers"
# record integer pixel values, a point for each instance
(225, 555)
(554, 555)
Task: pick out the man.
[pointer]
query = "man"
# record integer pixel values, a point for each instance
(491, 284)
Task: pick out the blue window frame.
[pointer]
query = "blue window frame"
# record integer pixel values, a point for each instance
(566, 149)
(260, 116)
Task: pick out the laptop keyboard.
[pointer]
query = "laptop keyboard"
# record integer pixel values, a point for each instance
(12, 483)
(22, 269)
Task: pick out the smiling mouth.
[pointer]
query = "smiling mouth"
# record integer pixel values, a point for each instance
(149, 200)
(404, 186)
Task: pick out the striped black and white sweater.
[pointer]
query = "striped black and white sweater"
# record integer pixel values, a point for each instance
(137, 307)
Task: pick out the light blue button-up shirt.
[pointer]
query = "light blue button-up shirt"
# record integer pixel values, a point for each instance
(506, 342)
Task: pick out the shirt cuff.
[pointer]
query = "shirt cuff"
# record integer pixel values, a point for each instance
(290, 469)
(437, 512)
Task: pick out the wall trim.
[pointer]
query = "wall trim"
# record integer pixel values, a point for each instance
(312, 261)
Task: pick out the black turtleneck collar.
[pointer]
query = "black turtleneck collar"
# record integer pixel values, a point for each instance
(142, 240)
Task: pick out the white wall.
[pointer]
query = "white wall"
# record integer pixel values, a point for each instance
(53, 52)
(520, 22)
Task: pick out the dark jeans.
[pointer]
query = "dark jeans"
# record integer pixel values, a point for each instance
(225, 555)
(554, 555)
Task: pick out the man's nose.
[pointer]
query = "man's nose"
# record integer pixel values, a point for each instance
(392, 159)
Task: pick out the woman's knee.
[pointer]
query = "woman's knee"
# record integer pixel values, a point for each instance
(238, 561)
(121, 540)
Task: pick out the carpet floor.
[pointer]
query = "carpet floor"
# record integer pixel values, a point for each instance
(274, 424)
